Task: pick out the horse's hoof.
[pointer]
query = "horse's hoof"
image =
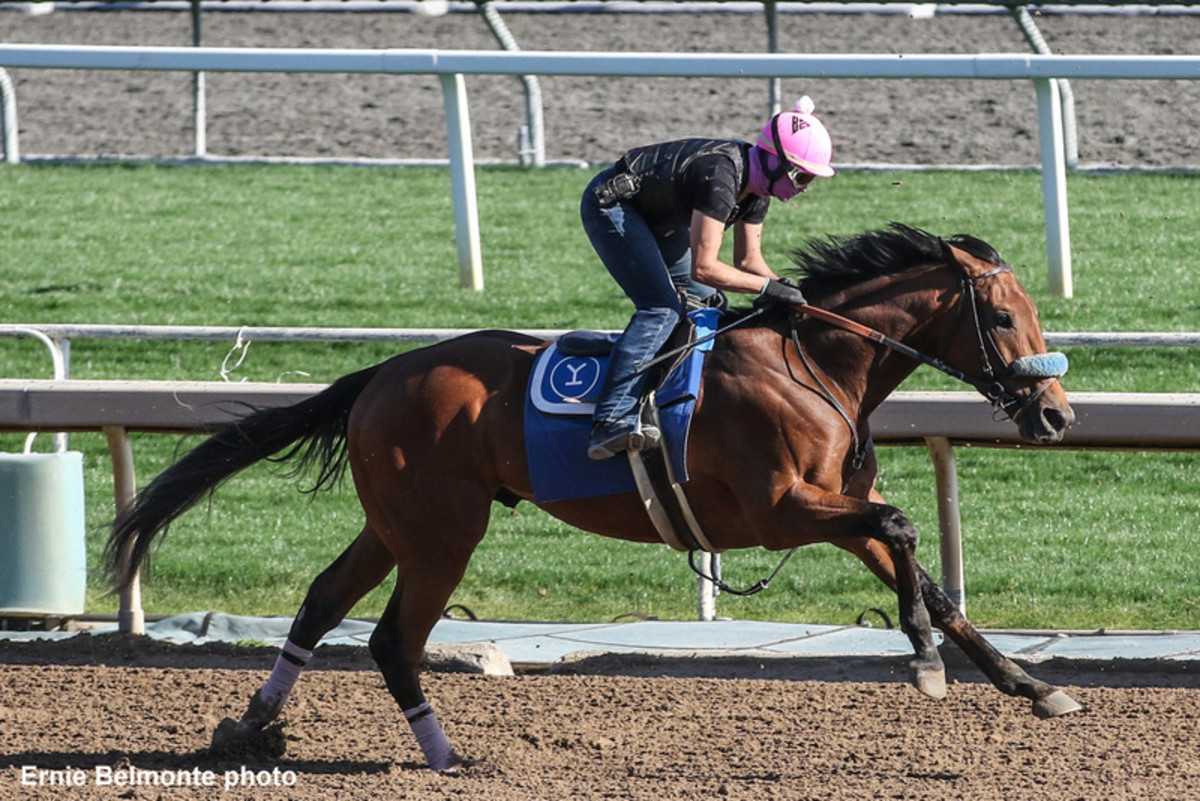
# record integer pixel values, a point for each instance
(235, 739)
(1055, 704)
(931, 682)
(455, 765)
(228, 731)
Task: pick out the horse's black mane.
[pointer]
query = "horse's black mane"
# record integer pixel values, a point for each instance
(828, 265)
(835, 263)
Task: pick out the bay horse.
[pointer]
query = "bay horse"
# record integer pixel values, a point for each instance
(780, 454)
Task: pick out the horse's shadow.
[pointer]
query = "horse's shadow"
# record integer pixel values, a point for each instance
(173, 761)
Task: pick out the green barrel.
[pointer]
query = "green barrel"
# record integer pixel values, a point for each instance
(43, 552)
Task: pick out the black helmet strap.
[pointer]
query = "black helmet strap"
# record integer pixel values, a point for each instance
(780, 170)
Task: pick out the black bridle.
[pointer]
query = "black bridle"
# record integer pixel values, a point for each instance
(991, 383)
(991, 386)
(1046, 366)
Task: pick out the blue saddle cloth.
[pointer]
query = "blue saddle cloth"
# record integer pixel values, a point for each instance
(558, 420)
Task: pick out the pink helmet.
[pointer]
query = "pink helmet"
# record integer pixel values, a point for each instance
(802, 138)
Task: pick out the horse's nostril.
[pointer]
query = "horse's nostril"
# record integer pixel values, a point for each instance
(1055, 419)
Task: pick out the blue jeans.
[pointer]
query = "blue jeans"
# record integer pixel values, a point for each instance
(651, 269)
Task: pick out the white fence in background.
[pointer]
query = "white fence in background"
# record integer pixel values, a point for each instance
(452, 65)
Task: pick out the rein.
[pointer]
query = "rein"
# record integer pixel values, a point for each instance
(866, 332)
(990, 387)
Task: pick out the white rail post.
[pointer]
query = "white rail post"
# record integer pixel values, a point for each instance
(706, 591)
(131, 619)
(774, 85)
(1054, 188)
(462, 179)
(199, 100)
(8, 118)
(949, 520)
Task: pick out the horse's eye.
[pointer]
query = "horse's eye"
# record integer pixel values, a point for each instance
(1004, 320)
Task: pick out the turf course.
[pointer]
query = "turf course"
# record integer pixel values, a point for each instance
(1073, 540)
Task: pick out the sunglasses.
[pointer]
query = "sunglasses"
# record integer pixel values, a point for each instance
(799, 178)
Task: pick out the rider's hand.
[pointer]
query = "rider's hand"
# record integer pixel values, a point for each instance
(779, 292)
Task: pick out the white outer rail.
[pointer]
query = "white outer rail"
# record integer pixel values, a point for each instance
(451, 65)
(939, 420)
(917, 423)
(58, 336)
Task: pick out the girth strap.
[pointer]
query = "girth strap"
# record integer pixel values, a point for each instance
(665, 501)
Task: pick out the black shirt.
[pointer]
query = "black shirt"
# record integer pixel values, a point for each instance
(687, 175)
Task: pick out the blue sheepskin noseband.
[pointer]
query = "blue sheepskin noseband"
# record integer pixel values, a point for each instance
(1040, 365)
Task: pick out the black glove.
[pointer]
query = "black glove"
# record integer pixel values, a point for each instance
(779, 292)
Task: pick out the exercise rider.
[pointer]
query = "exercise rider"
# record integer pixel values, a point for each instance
(657, 219)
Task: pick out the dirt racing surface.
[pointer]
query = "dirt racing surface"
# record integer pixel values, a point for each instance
(110, 710)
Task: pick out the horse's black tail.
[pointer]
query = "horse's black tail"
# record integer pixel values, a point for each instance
(315, 430)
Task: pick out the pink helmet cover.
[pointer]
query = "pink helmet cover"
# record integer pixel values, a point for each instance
(806, 142)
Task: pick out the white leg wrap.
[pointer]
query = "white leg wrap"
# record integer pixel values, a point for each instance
(430, 737)
(290, 662)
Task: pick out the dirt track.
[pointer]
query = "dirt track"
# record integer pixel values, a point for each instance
(109, 704)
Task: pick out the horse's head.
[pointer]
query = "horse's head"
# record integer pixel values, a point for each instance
(959, 308)
(999, 342)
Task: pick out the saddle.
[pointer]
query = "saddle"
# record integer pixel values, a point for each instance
(563, 387)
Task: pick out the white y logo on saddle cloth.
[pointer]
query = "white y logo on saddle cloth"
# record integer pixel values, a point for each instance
(573, 378)
(566, 384)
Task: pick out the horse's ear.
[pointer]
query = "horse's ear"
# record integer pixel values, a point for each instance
(947, 251)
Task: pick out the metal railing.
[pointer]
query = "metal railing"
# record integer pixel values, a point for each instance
(58, 336)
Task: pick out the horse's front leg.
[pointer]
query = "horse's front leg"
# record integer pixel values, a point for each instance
(829, 517)
(1048, 700)
(1006, 675)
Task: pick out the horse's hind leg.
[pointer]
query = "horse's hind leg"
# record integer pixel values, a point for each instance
(332, 595)
(433, 555)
